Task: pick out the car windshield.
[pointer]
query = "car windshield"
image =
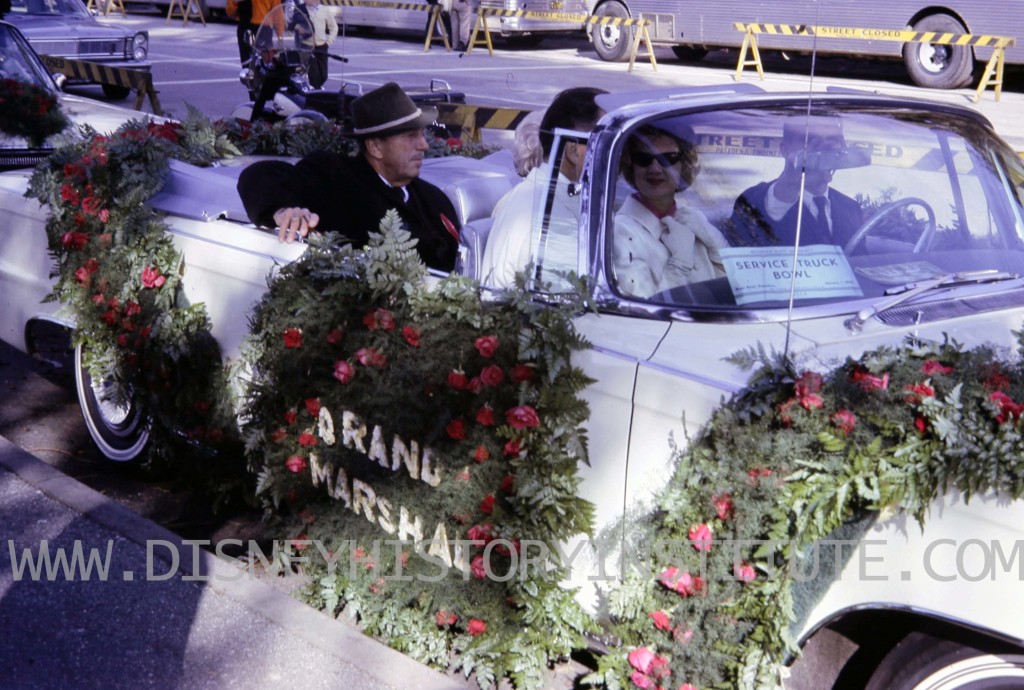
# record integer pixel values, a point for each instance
(50, 8)
(708, 207)
(19, 61)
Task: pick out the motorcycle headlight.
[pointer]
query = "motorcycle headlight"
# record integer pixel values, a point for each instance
(140, 46)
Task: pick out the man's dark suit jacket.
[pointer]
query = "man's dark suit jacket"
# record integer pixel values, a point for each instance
(350, 198)
(751, 226)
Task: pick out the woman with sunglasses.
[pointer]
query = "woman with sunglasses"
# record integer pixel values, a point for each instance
(660, 242)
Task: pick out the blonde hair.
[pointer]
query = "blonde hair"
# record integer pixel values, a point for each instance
(527, 152)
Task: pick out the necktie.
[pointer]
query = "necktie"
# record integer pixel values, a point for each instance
(822, 217)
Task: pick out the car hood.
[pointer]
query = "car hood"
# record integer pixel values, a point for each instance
(82, 111)
(63, 27)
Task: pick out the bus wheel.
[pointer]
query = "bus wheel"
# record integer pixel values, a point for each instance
(936, 66)
(690, 53)
(612, 42)
(923, 662)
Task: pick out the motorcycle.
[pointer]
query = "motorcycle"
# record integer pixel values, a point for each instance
(276, 76)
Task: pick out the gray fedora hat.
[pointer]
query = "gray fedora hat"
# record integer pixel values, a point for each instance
(388, 110)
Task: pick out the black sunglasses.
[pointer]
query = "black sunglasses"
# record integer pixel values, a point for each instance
(643, 159)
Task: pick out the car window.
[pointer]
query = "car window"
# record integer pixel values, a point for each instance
(49, 7)
(707, 211)
(17, 61)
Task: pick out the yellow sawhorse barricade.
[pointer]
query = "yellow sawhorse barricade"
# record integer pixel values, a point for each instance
(641, 33)
(993, 70)
(138, 80)
(435, 27)
(107, 6)
(187, 9)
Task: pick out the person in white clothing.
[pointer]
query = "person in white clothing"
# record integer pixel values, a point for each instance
(513, 242)
(659, 241)
(325, 31)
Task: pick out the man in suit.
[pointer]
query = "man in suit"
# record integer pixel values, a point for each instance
(350, 195)
(766, 214)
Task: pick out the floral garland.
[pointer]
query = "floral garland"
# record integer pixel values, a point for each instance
(29, 111)
(388, 411)
(795, 458)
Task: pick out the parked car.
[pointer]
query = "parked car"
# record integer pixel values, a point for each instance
(65, 28)
(938, 253)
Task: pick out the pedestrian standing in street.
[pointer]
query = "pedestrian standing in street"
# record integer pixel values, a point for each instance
(325, 30)
(260, 10)
(463, 15)
(444, 18)
(241, 12)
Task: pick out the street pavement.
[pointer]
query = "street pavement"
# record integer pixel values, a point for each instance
(150, 623)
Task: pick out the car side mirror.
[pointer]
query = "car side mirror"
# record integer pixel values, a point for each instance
(60, 79)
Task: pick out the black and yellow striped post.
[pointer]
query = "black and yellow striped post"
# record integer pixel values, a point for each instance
(138, 80)
(640, 35)
(471, 119)
(993, 70)
(435, 27)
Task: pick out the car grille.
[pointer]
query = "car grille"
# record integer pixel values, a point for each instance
(107, 48)
(908, 315)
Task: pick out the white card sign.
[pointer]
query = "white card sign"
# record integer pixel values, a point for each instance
(765, 274)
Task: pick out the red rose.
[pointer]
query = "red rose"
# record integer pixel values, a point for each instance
(456, 429)
(74, 240)
(932, 367)
(487, 504)
(723, 506)
(481, 454)
(508, 483)
(476, 627)
(521, 372)
(457, 380)
(313, 406)
(918, 392)
(307, 439)
(868, 381)
(522, 417)
(492, 375)
(91, 205)
(844, 420)
(921, 424)
(477, 567)
(1008, 409)
(292, 337)
(411, 335)
(379, 318)
(295, 463)
(486, 345)
(513, 447)
(443, 618)
(132, 309)
(343, 371)
(661, 620)
(291, 416)
(152, 278)
(485, 416)
(481, 533)
(279, 435)
(809, 383)
(700, 537)
(69, 195)
(335, 336)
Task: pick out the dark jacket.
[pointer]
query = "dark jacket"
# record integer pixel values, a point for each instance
(751, 226)
(350, 198)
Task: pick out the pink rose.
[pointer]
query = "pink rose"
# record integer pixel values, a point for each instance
(642, 659)
(295, 463)
(868, 381)
(809, 383)
(457, 380)
(641, 680)
(292, 338)
(343, 371)
(481, 533)
(335, 336)
(379, 318)
(476, 627)
(486, 345)
(522, 417)
(481, 454)
(371, 357)
(476, 566)
(513, 447)
(700, 537)
(744, 572)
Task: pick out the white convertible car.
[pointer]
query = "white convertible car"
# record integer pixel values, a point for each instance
(926, 238)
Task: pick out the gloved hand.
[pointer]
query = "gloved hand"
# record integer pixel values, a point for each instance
(680, 241)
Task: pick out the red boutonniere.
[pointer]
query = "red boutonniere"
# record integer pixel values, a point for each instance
(450, 227)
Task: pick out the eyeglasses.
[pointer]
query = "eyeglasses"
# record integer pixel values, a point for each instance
(643, 159)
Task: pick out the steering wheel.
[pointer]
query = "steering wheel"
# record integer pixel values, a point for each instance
(923, 242)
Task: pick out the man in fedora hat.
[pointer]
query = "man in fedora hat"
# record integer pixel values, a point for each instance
(330, 191)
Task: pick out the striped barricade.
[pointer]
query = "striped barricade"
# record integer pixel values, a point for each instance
(993, 70)
(435, 27)
(640, 35)
(140, 81)
(471, 119)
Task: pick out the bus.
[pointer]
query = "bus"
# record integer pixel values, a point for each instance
(692, 27)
